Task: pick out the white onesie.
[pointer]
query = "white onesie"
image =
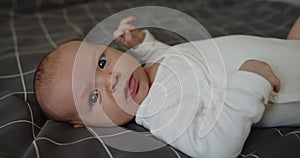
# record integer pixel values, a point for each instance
(187, 106)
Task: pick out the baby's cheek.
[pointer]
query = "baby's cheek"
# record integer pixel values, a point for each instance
(118, 96)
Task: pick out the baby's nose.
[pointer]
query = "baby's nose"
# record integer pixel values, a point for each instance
(115, 77)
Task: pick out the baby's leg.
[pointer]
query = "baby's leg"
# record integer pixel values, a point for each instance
(295, 31)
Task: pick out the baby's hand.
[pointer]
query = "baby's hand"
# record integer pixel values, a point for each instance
(127, 34)
(263, 69)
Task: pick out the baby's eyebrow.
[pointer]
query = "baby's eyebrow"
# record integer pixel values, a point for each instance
(99, 51)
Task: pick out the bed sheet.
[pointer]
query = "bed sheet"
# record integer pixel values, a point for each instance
(29, 29)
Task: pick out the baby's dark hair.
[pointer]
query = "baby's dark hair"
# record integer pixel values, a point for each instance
(46, 83)
(44, 80)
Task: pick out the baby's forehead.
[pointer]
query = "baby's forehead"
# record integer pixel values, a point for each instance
(81, 57)
(81, 46)
(70, 44)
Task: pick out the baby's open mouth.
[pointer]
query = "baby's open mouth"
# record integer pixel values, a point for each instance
(131, 87)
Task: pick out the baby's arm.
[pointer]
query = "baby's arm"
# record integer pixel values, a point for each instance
(247, 91)
(144, 47)
(246, 96)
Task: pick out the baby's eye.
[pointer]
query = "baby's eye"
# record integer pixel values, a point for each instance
(102, 62)
(94, 97)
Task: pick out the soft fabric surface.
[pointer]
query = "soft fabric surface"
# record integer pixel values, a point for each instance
(29, 29)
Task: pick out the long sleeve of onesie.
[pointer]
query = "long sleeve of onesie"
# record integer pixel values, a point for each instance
(150, 50)
(210, 138)
(244, 105)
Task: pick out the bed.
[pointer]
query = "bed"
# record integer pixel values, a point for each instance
(30, 29)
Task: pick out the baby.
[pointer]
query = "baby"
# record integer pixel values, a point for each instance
(113, 88)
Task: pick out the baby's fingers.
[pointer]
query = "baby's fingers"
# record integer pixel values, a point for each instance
(123, 29)
(127, 20)
(276, 85)
(126, 28)
(125, 24)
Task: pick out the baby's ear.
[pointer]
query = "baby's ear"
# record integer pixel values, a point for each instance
(77, 124)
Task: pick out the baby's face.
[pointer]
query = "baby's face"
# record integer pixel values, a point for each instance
(107, 85)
